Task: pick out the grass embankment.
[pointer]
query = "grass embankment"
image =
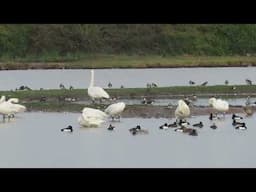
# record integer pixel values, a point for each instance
(55, 99)
(123, 61)
(130, 93)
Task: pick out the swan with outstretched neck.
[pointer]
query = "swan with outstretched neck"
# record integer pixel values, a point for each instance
(95, 92)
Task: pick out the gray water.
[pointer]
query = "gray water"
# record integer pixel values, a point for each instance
(35, 140)
(50, 79)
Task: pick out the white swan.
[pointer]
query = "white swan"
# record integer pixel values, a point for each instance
(96, 92)
(219, 105)
(92, 117)
(182, 111)
(9, 108)
(114, 110)
(2, 99)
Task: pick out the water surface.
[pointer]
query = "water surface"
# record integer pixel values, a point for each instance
(35, 140)
(50, 79)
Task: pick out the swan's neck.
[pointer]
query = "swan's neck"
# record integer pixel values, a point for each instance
(92, 79)
(2, 99)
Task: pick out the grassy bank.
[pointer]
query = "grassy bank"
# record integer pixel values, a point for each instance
(124, 61)
(131, 93)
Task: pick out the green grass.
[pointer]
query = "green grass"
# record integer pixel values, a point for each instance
(130, 93)
(124, 61)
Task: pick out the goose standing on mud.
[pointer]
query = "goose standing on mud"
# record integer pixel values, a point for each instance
(96, 92)
(182, 111)
(219, 105)
(115, 110)
(92, 117)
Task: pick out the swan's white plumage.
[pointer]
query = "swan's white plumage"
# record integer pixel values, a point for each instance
(92, 117)
(10, 107)
(182, 111)
(115, 109)
(13, 100)
(219, 104)
(2, 99)
(96, 92)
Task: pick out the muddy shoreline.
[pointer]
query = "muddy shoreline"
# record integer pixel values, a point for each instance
(146, 111)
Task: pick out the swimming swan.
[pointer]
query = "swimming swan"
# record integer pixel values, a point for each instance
(182, 111)
(96, 92)
(92, 117)
(114, 110)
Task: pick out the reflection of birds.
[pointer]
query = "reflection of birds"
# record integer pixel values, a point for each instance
(182, 111)
(96, 92)
(67, 129)
(92, 117)
(213, 126)
(114, 110)
(248, 110)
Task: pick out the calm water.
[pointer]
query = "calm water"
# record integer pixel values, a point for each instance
(49, 79)
(35, 140)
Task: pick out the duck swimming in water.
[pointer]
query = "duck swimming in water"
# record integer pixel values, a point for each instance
(241, 127)
(164, 126)
(111, 127)
(67, 129)
(236, 117)
(174, 124)
(200, 124)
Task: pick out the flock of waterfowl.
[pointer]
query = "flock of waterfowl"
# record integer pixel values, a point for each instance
(91, 117)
